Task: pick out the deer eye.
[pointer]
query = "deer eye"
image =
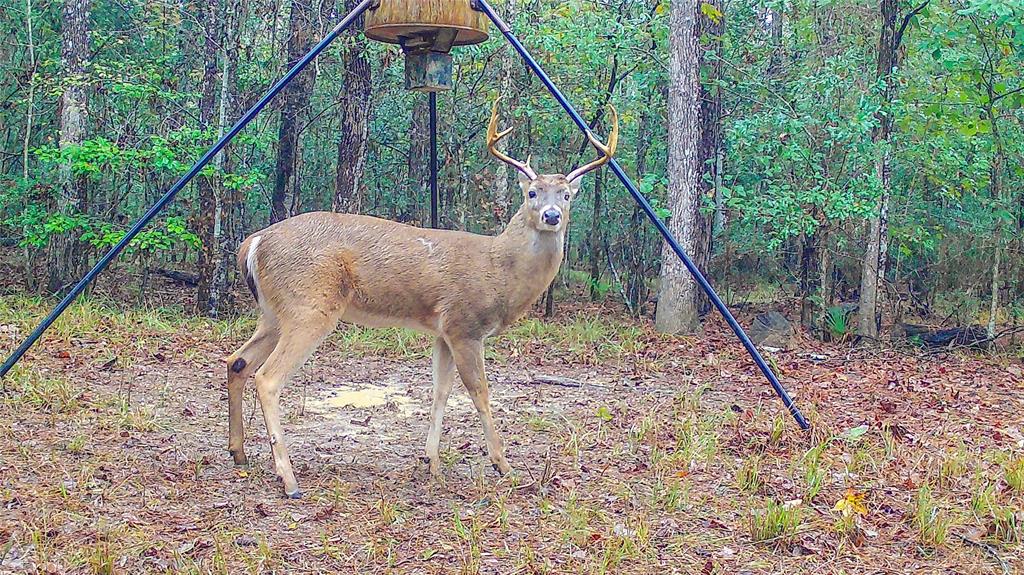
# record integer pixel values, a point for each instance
(533, 194)
(567, 197)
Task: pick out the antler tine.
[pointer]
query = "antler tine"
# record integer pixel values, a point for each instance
(494, 136)
(607, 151)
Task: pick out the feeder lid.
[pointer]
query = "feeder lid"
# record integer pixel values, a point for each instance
(402, 21)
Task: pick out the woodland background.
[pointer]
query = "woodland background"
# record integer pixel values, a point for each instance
(835, 152)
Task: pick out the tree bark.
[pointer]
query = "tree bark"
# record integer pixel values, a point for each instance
(677, 299)
(353, 144)
(287, 193)
(62, 257)
(709, 36)
(874, 263)
(596, 221)
(418, 179)
(208, 218)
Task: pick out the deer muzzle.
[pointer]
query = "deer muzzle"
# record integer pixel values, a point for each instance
(551, 216)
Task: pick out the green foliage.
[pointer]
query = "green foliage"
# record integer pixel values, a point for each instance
(837, 323)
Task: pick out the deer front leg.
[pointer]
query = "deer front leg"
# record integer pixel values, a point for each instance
(469, 357)
(444, 377)
(241, 364)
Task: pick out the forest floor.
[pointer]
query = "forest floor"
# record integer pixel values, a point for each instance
(672, 455)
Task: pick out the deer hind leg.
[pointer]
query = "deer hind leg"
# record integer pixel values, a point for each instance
(241, 364)
(444, 378)
(299, 338)
(469, 357)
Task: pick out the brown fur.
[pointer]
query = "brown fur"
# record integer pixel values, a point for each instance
(312, 271)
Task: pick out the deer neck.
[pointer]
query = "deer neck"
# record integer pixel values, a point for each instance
(527, 258)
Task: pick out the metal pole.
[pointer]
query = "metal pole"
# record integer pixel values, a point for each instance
(433, 159)
(484, 7)
(177, 187)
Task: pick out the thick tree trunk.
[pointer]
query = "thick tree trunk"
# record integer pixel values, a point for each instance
(287, 193)
(355, 120)
(62, 257)
(208, 218)
(677, 298)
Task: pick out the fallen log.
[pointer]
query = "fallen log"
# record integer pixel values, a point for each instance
(968, 336)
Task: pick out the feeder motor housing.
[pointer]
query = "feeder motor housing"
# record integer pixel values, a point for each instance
(426, 30)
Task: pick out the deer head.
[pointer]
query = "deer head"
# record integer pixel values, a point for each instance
(547, 197)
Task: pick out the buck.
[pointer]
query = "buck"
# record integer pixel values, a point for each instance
(312, 271)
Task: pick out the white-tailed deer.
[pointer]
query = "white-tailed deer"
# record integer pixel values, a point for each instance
(312, 271)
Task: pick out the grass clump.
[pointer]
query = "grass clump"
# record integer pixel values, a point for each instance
(775, 522)
(931, 522)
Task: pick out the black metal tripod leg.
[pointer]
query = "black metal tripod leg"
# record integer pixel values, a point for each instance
(177, 187)
(433, 160)
(484, 7)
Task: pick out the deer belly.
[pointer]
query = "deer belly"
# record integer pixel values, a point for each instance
(369, 318)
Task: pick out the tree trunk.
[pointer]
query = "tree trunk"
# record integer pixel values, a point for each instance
(596, 223)
(502, 173)
(355, 119)
(809, 257)
(710, 152)
(287, 193)
(419, 157)
(62, 257)
(869, 317)
(677, 299)
(208, 217)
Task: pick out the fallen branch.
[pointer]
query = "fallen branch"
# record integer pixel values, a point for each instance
(541, 379)
(180, 277)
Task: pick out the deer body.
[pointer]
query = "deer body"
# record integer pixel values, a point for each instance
(378, 273)
(312, 271)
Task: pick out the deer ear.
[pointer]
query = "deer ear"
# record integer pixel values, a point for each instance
(524, 180)
(574, 186)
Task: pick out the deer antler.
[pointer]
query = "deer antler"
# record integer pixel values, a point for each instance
(494, 136)
(606, 151)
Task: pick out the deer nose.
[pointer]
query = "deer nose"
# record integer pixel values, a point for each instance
(552, 216)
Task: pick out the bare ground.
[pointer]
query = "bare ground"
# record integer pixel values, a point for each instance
(672, 456)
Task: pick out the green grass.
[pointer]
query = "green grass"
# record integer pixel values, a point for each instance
(580, 338)
(931, 521)
(776, 522)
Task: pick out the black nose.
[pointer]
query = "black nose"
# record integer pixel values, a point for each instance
(552, 216)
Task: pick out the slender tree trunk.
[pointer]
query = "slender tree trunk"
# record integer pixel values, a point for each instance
(62, 258)
(677, 299)
(228, 202)
(208, 218)
(355, 123)
(809, 284)
(994, 303)
(502, 173)
(996, 191)
(419, 157)
(287, 193)
(30, 104)
(711, 30)
(596, 223)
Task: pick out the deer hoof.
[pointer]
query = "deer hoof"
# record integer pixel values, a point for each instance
(297, 494)
(239, 456)
(502, 468)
